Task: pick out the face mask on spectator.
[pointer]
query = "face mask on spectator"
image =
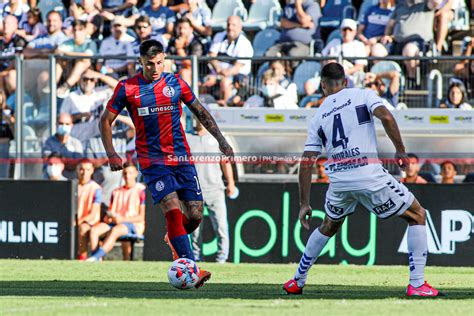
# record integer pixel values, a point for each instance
(64, 129)
(269, 90)
(53, 170)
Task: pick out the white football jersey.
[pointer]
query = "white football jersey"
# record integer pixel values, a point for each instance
(344, 125)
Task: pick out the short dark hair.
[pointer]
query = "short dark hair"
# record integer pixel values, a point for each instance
(142, 19)
(79, 23)
(129, 163)
(151, 48)
(333, 71)
(54, 12)
(184, 20)
(55, 154)
(412, 155)
(449, 162)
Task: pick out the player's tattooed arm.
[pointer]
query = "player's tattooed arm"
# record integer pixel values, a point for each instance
(210, 124)
(304, 180)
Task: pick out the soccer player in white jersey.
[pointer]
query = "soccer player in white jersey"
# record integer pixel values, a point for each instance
(344, 125)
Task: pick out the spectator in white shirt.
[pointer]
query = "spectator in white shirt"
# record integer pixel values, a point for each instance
(348, 46)
(87, 103)
(230, 43)
(119, 43)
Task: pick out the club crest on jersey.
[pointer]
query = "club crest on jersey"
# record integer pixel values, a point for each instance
(159, 186)
(169, 91)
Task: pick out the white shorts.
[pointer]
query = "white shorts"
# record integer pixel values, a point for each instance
(393, 198)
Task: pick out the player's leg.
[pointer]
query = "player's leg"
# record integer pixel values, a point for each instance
(417, 244)
(83, 232)
(126, 250)
(96, 232)
(109, 242)
(337, 206)
(192, 215)
(191, 195)
(177, 234)
(394, 198)
(314, 246)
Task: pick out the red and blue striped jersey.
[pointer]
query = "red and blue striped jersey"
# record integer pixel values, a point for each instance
(155, 109)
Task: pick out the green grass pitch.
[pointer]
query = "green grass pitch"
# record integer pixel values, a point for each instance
(47, 287)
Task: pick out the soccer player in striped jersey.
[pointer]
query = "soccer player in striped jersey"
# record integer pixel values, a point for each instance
(344, 125)
(153, 100)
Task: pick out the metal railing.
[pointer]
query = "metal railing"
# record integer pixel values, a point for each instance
(43, 120)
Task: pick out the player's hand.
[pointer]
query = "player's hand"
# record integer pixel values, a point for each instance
(115, 162)
(226, 149)
(305, 215)
(402, 160)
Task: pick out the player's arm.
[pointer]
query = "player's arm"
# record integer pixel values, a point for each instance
(304, 182)
(210, 124)
(105, 126)
(393, 132)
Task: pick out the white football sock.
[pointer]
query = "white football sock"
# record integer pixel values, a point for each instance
(417, 254)
(314, 246)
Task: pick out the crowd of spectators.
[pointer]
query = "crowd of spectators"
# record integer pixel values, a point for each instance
(83, 29)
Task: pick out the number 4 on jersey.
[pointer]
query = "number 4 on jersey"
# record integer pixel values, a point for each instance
(338, 130)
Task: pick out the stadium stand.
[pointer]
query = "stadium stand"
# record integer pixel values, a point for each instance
(261, 26)
(263, 14)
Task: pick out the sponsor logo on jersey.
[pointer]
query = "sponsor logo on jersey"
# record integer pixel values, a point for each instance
(168, 91)
(337, 108)
(380, 209)
(155, 109)
(274, 118)
(439, 119)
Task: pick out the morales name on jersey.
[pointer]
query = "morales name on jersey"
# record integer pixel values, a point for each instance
(155, 109)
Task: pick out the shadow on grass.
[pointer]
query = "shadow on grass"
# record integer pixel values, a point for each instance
(162, 290)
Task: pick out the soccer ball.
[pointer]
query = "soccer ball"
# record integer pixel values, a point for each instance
(183, 274)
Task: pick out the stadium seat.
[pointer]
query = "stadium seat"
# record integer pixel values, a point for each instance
(388, 65)
(261, 70)
(32, 144)
(306, 70)
(225, 8)
(364, 7)
(334, 34)
(133, 238)
(51, 5)
(331, 14)
(264, 40)
(262, 14)
(461, 18)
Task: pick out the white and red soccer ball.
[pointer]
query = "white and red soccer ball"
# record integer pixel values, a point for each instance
(183, 273)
